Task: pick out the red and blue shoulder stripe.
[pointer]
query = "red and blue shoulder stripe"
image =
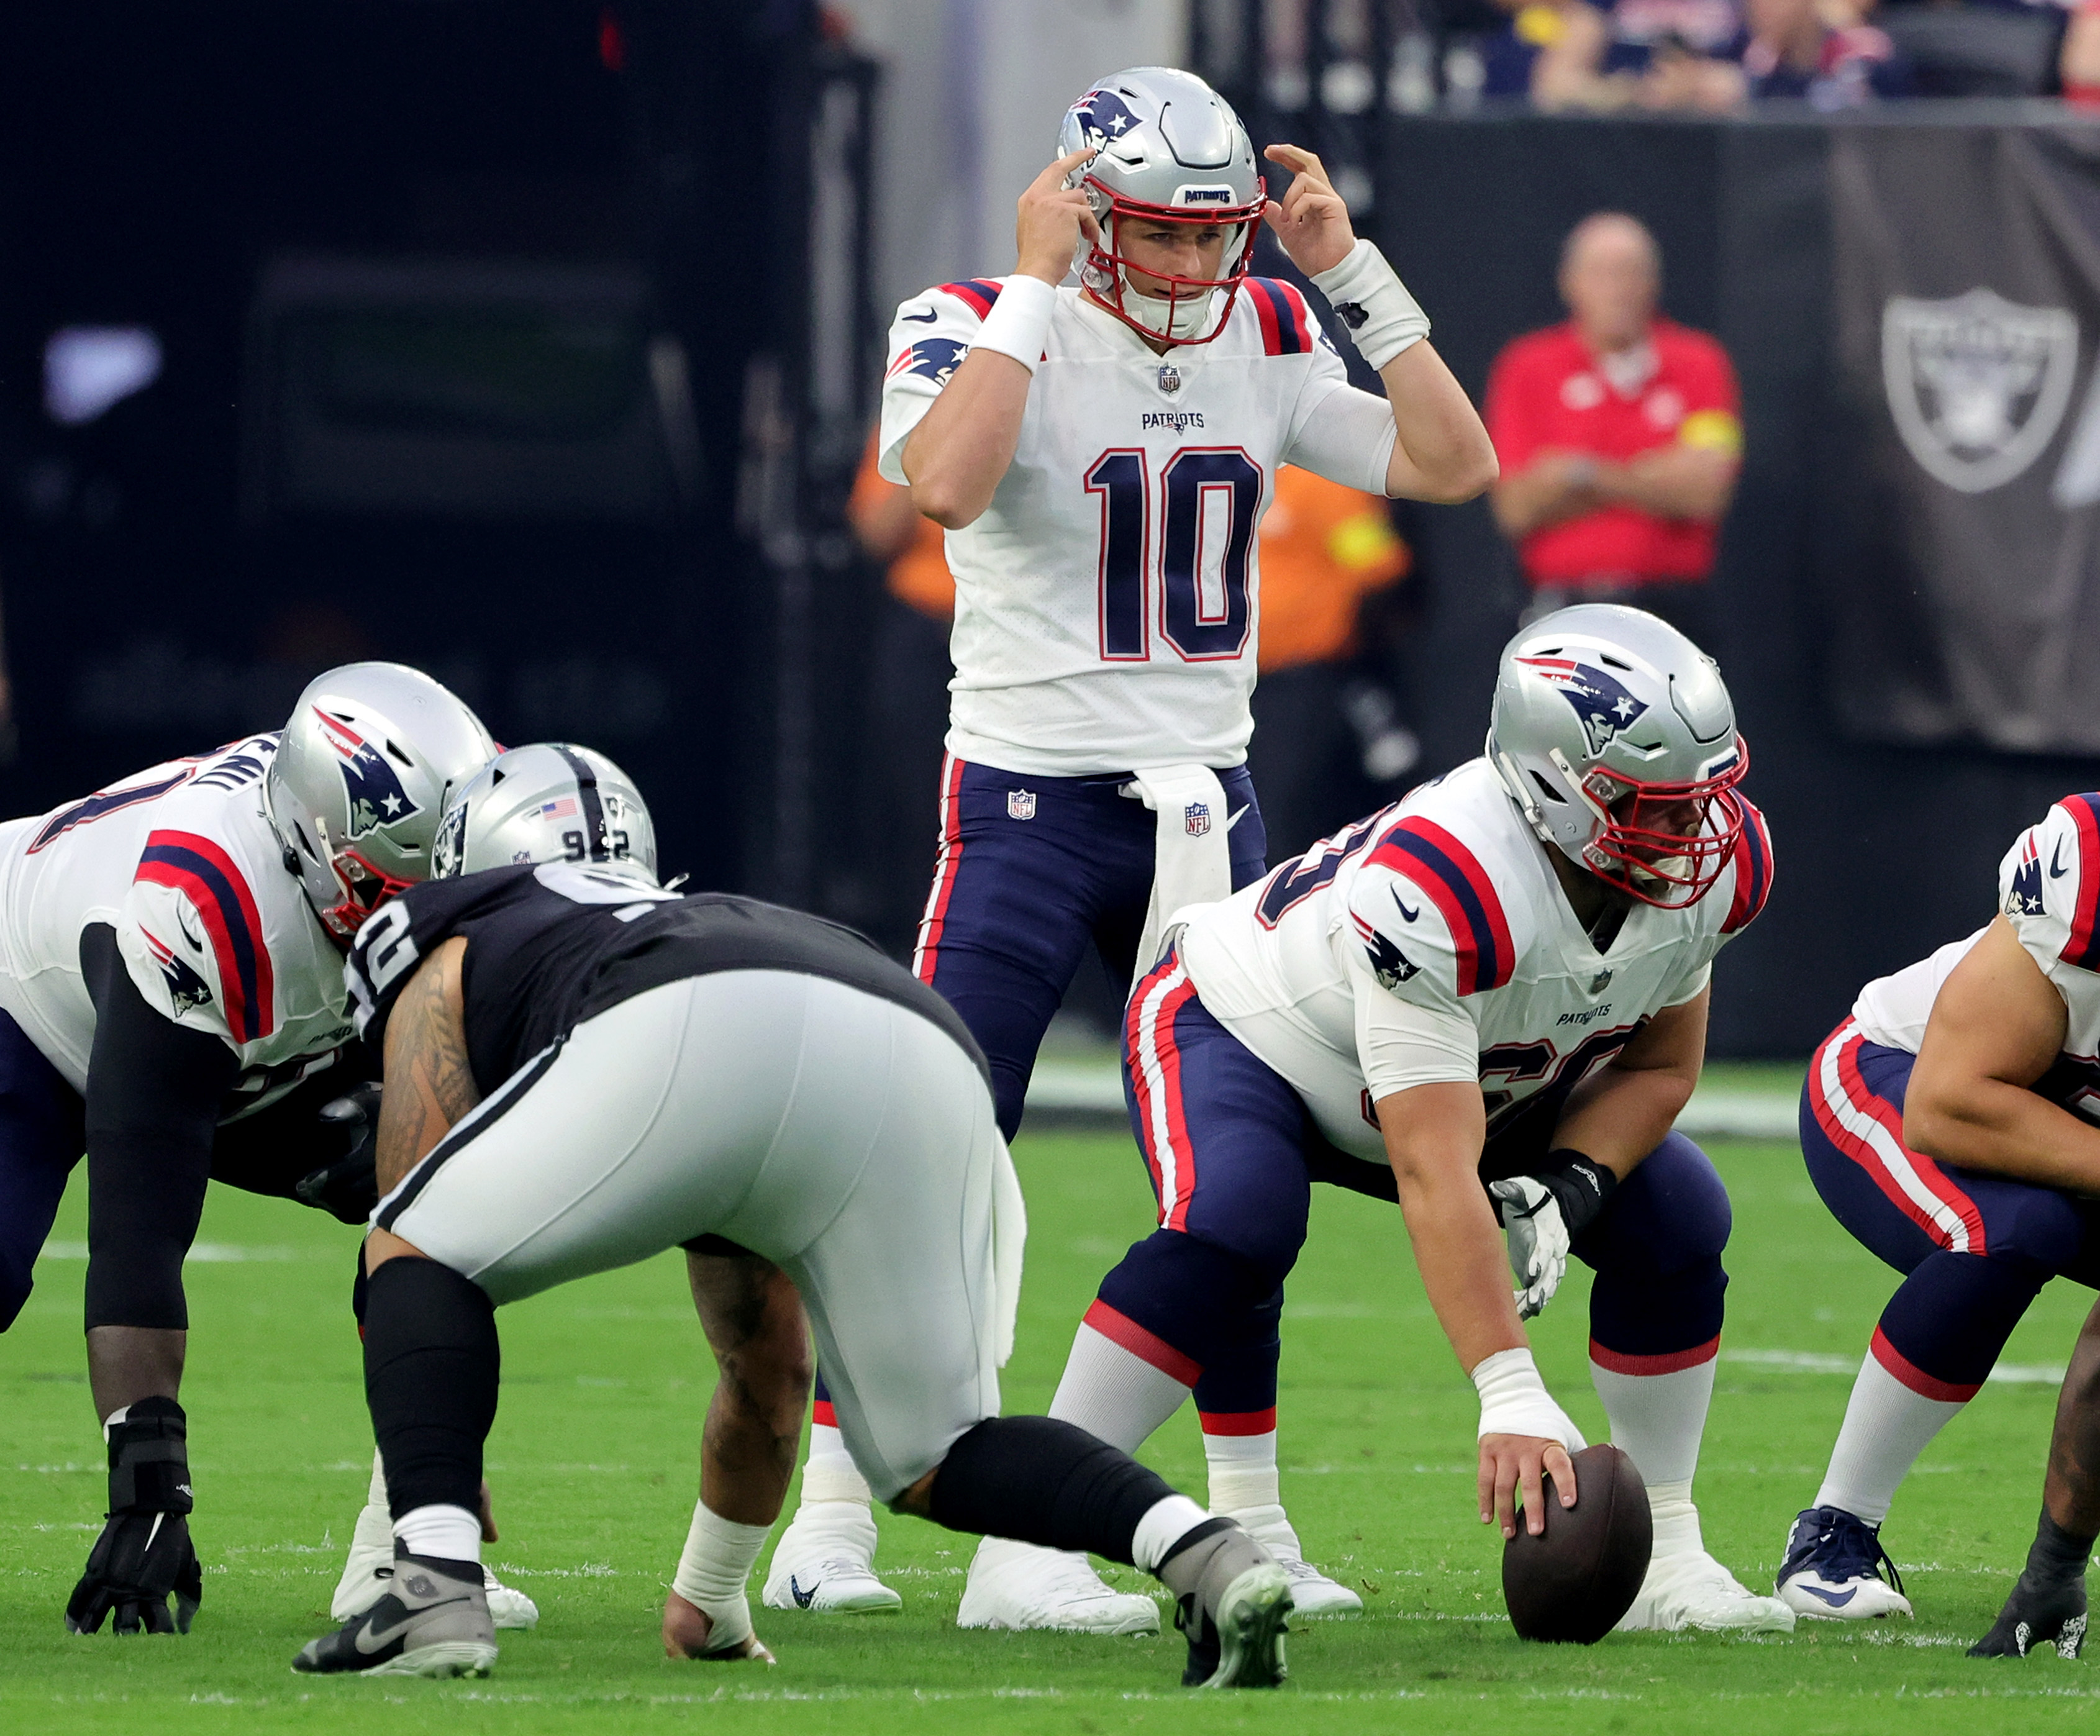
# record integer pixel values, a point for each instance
(2083, 948)
(980, 292)
(1286, 322)
(1753, 870)
(203, 872)
(1452, 877)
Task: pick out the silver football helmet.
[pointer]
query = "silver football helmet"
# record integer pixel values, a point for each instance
(1171, 150)
(362, 774)
(549, 802)
(1614, 734)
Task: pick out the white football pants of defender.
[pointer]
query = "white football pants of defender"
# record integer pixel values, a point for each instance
(841, 1136)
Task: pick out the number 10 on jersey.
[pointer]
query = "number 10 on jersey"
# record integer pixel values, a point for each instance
(1209, 497)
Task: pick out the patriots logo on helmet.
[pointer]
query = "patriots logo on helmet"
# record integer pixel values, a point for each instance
(186, 987)
(1604, 706)
(1104, 117)
(2023, 898)
(936, 358)
(376, 797)
(1389, 964)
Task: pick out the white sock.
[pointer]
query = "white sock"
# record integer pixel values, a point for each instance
(1676, 1519)
(1119, 1394)
(441, 1530)
(715, 1571)
(376, 1496)
(1658, 1419)
(1165, 1522)
(1242, 1472)
(830, 1474)
(1887, 1425)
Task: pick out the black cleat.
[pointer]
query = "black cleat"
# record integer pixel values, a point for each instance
(432, 1620)
(1234, 1617)
(2031, 1617)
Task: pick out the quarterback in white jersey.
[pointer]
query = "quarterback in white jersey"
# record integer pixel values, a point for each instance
(1101, 453)
(1501, 978)
(1949, 1123)
(171, 1000)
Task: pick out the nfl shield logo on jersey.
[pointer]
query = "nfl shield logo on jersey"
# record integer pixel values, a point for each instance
(1170, 378)
(1021, 805)
(1196, 818)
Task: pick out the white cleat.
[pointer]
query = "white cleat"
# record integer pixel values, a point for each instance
(508, 1606)
(368, 1573)
(825, 1563)
(1020, 1585)
(1836, 1569)
(1690, 1589)
(1312, 1592)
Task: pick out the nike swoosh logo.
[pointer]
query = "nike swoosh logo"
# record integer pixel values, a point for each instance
(1833, 1598)
(369, 1641)
(1409, 915)
(181, 922)
(1234, 818)
(925, 318)
(803, 1599)
(2056, 861)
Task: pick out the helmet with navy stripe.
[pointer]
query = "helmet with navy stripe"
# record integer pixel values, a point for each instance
(363, 773)
(1169, 150)
(549, 802)
(1616, 735)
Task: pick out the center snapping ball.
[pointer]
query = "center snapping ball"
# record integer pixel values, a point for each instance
(1573, 1581)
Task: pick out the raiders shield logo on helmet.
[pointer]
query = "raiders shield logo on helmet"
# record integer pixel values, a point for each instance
(1977, 384)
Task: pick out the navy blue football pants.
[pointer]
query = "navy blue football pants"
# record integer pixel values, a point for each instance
(1975, 1249)
(43, 1133)
(1233, 1154)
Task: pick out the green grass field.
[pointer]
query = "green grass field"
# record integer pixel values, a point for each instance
(594, 1463)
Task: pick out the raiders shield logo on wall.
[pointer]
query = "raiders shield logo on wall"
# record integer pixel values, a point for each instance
(1977, 384)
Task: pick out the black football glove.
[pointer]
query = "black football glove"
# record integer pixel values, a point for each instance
(144, 1551)
(348, 1187)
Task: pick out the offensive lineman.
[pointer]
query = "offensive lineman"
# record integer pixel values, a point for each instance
(170, 973)
(1948, 1124)
(1501, 978)
(586, 1069)
(1102, 455)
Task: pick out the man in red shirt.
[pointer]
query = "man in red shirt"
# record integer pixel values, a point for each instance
(1619, 438)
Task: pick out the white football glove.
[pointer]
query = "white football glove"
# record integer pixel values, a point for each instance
(1538, 1241)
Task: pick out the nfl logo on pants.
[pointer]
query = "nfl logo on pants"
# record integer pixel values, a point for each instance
(1021, 805)
(1197, 818)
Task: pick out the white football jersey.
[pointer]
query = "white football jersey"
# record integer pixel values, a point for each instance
(1446, 903)
(2048, 889)
(182, 862)
(1108, 602)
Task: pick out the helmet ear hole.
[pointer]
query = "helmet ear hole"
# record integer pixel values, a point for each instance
(1547, 790)
(397, 753)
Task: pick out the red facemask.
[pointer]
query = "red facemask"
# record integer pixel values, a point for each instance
(1106, 262)
(366, 886)
(1666, 844)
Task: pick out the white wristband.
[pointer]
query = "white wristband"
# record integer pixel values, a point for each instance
(1019, 322)
(1373, 304)
(714, 1570)
(1514, 1401)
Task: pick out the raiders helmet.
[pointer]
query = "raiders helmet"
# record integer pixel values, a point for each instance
(1170, 150)
(1614, 734)
(549, 802)
(362, 775)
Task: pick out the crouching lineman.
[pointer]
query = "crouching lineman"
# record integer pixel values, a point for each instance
(1501, 978)
(170, 989)
(1948, 1125)
(625, 1070)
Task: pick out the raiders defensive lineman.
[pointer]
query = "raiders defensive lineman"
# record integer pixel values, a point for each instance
(170, 971)
(1502, 978)
(583, 1070)
(1101, 455)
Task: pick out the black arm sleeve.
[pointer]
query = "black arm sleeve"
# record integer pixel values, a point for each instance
(154, 1091)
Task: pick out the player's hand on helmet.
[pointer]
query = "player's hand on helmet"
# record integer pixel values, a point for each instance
(1051, 218)
(1538, 1240)
(145, 1554)
(1514, 1464)
(1311, 221)
(348, 1188)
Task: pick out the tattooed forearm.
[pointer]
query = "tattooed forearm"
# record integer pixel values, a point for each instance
(429, 1085)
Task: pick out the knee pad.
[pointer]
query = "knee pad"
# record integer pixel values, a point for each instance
(1671, 1215)
(1200, 1298)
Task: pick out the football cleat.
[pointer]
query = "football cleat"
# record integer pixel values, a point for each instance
(1239, 1644)
(825, 1563)
(431, 1620)
(1836, 1569)
(508, 1606)
(2033, 1618)
(1689, 1588)
(1312, 1592)
(1020, 1585)
(367, 1574)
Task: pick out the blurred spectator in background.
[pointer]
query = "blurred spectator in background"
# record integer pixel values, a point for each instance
(1325, 734)
(908, 695)
(1620, 438)
(2078, 63)
(1796, 52)
(1649, 53)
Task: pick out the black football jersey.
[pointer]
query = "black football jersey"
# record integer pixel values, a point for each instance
(550, 946)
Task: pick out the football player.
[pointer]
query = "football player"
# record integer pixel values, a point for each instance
(1949, 1125)
(1503, 979)
(171, 981)
(625, 1070)
(1101, 455)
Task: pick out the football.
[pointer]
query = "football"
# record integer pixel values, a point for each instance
(1573, 1581)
